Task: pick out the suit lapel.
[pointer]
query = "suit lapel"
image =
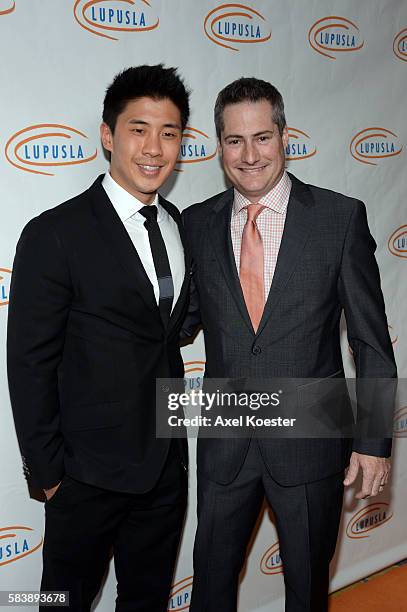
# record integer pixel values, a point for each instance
(116, 237)
(178, 306)
(220, 235)
(297, 228)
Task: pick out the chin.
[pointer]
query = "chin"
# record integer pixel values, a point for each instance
(254, 189)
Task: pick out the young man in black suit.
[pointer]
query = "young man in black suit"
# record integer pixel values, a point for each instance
(276, 263)
(99, 292)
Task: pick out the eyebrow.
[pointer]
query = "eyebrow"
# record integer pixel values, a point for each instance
(141, 122)
(253, 135)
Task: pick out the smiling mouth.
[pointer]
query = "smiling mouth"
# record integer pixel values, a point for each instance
(149, 170)
(255, 170)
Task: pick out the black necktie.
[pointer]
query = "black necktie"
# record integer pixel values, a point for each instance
(161, 263)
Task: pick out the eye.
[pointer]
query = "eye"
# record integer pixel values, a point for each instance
(169, 135)
(233, 141)
(264, 138)
(138, 130)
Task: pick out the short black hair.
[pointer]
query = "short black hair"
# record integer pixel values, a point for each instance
(154, 82)
(249, 90)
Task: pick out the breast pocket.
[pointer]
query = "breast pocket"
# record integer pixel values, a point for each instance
(315, 271)
(317, 280)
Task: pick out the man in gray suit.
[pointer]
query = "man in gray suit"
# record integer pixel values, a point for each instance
(276, 263)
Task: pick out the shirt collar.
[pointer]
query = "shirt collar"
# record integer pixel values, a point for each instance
(125, 204)
(276, 199)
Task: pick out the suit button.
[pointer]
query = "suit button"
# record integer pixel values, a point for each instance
(256, 350)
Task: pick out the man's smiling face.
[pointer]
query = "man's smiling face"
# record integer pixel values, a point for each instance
(251, 148)
(145, 145)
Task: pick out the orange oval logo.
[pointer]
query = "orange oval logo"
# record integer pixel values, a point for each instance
(331, 35)
(397, 243)
(5, 278)
(299, 145)
(45, 146)
(400, 423)
(7, 6)
(368, 518)
(193, 377)
(196, 146)
(180, 596)
(17, 542)
(194, 366)
(271, 562)
(110, 18)
(374, 143)
(400, 45)
(236, 24)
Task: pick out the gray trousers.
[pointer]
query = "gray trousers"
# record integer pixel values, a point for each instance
(307, 520)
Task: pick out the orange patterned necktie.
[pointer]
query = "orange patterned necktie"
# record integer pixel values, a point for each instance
(252, 266)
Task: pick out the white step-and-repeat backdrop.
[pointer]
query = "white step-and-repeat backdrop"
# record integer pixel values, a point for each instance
(341, 66)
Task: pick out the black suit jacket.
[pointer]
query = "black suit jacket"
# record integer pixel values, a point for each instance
(325, 264)
(85, 345)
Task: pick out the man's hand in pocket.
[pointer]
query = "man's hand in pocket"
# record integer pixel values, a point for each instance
(51, 492)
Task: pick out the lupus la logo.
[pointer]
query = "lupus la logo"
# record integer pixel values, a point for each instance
(400, 423)
(5, 277)
(194, 371)
(196, 146)
(43, 147)
(299, 145)
(236, 24)
(331, 35)
(110, 19)
(271, 562)
(400, 45)
(7, 6)
(180, 597)
(17, 542)
(368, 518)
(374, 143)
(397, 243)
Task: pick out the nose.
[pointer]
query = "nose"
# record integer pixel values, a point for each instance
(152, 145)
(250, 153)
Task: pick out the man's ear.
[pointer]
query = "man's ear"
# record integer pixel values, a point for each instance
(106, 137)
(219, 147)
(284, 137)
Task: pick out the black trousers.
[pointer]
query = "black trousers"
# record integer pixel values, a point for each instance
(307, 520)
(85, 524)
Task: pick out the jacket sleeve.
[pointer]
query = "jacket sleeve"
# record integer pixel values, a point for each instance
(362, 300)
(40, 297)
(193, 318)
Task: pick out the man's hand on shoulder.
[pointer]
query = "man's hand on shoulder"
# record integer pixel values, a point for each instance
(375, 474)
(49, 493)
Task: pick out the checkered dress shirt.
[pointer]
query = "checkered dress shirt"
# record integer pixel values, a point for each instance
(270, 223)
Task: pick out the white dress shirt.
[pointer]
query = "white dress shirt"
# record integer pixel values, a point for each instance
(127, 207)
